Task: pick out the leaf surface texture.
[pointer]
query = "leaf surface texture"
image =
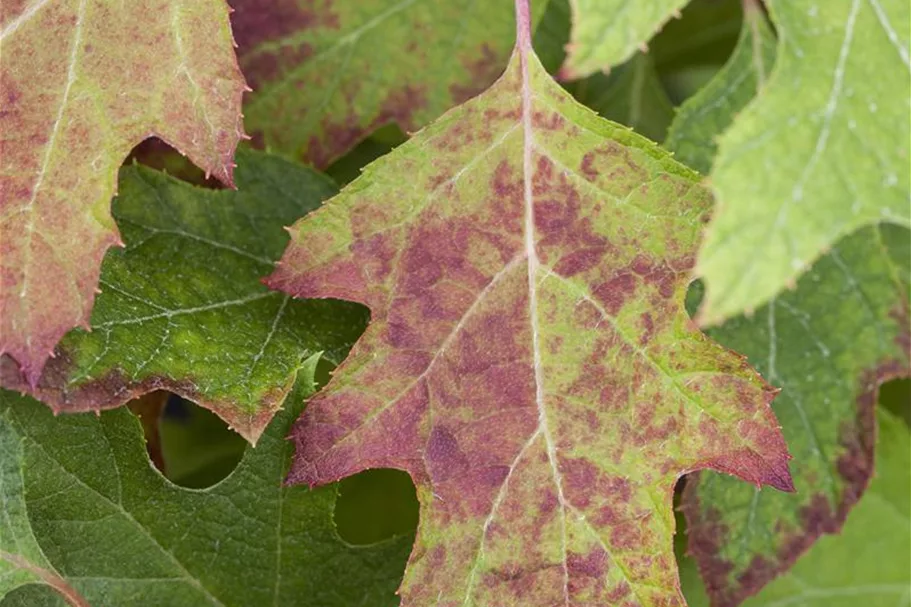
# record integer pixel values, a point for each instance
(823, 151)
(245, 541)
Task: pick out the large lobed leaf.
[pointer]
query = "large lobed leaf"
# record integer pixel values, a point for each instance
(83, 82)
(823, 151)
(102, 527)
(183, 308)
(326, 73)
(529, 361)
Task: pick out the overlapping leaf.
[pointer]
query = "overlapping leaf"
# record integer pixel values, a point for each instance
(328, 72)
(632, 95)
(83, 82)
(828, 345)
(823, 151)
(529, 362)
(103, 523)
(182, 306)
(608, 32)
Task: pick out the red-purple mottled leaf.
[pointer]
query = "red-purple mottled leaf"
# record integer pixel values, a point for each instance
(326, 73)
(82, 82)
(529, 361)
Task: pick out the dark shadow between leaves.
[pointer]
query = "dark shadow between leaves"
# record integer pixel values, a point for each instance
(376, 505)
(895, 396)
(189, 445)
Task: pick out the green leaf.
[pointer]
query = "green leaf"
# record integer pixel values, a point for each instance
(712, 110)
(83, 82)
(632, 95)
(608, 32)
(118, 533)
(183, 308)
(823, 151)
(869, 563)
(326, 74)
(529, 361)
(828, 345)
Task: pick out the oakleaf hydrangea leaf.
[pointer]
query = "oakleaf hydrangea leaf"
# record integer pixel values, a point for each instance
(326, 73)
(83, 82)
(828, 345)
(116, 532)
(182, 307)
(823, 151)
(608, 32)
(529, 361)
(868, 563)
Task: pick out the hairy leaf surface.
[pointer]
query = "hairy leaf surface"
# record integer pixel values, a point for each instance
(83, 82)
(529, 361)
(116, 532)
(608, 32)
(823, 151)
(325, 73)
(182, 306)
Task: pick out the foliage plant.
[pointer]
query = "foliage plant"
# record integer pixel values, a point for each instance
(612, 285)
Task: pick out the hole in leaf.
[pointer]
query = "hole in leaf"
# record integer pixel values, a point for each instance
(149, 409)
(197, 448)
(895, 396)
(376, 505)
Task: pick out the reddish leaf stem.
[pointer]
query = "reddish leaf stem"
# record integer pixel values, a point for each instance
(523, 25)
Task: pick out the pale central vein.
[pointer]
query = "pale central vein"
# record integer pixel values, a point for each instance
(532, 255)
